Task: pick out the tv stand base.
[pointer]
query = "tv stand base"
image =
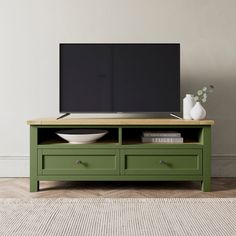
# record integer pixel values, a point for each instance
(64, 115)
(120, 155)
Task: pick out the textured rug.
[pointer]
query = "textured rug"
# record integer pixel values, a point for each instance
(118, 217)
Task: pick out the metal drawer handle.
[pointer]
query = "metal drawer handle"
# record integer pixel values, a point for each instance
(78, 162)
(163, 162)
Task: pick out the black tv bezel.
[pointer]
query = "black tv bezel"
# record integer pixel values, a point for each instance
(115, 112)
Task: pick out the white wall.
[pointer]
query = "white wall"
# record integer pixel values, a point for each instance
(30, 31)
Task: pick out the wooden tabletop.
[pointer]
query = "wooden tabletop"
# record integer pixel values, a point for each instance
(117, 121)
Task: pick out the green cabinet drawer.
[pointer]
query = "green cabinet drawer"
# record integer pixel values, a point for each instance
(161, 162)
(78, 162)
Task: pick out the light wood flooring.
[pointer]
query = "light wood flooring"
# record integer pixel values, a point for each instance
(19, 188)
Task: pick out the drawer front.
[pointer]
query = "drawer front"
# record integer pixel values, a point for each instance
(78, 162)
(161, 162)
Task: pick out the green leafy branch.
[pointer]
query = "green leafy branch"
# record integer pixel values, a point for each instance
(202, 94)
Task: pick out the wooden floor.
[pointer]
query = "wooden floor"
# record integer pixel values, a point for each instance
(19, 188)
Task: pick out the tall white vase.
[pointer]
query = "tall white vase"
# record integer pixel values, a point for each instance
(188, 104)
(198, 112)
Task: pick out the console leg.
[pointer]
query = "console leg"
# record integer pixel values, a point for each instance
(34, 183)
(206, 184)
(34, 186)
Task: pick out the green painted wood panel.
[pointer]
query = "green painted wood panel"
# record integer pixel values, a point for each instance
(163, 146)
(116, 146)
(161, 162)
(76, 146)
(206, 183)
(121, 177)
(34, 183)
(121, 160)
(78, 162)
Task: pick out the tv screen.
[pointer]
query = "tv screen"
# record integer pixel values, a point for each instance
(119, 78)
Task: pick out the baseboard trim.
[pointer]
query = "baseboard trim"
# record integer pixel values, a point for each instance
(14, 166)
(223, 165)
(224, 156)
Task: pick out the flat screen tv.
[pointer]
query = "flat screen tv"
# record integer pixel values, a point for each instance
(127, 77)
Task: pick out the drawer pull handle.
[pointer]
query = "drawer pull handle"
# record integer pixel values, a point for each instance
(78, 162)
(163, 162)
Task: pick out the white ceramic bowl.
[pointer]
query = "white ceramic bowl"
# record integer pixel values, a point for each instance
(81, 136)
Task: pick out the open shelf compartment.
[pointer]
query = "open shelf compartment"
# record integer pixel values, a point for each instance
(133, 135)
(47, 136)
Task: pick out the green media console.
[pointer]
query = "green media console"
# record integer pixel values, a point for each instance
(120, 155)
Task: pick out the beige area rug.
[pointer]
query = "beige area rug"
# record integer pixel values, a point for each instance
(111, 217)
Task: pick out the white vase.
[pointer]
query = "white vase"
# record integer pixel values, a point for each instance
(188, 104)
(198, 112)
